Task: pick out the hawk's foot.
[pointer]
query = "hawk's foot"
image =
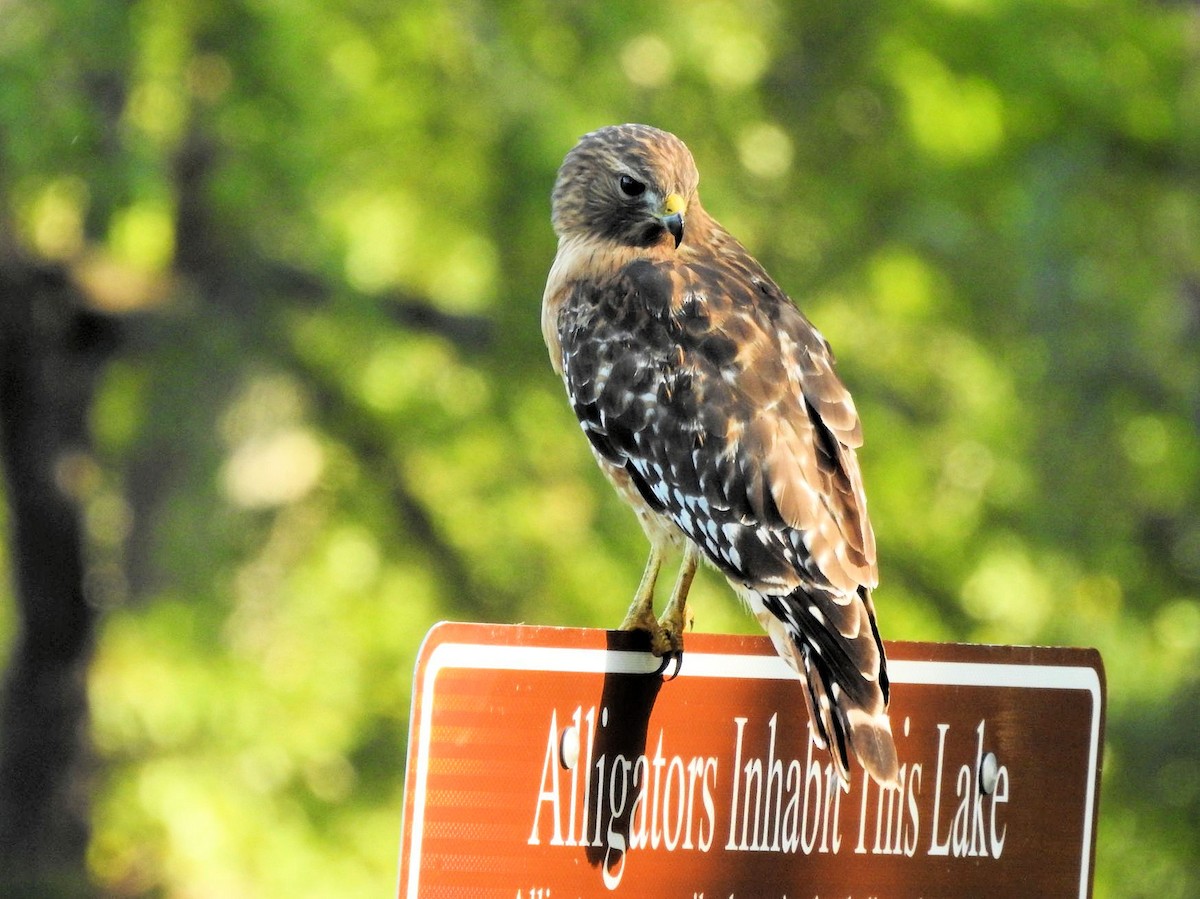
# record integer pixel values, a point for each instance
(662, 639)
(666, 639)
(669, 638)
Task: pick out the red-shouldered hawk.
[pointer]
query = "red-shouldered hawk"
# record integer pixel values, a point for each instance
(712, 405)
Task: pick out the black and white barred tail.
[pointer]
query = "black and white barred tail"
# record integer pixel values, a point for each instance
(844, 670)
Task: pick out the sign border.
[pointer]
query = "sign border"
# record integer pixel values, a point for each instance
(457, 645)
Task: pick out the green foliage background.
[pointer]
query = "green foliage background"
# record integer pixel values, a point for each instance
(990, 208)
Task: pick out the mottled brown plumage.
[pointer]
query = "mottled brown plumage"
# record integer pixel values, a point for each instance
(713, 406)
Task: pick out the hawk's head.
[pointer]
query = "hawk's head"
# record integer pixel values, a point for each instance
(626, 183)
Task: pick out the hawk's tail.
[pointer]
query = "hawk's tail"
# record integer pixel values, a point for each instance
(832, 643)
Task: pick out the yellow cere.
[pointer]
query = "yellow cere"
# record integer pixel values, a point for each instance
(673, 203)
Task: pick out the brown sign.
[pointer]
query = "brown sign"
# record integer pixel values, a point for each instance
(547, 763)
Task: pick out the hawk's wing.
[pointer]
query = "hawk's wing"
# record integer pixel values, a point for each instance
(721, 400)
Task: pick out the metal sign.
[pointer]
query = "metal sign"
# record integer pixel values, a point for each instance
(548, 763)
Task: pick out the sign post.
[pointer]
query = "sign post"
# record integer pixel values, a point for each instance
(549, 763)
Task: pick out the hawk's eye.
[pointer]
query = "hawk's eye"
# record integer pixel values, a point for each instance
(631, 187)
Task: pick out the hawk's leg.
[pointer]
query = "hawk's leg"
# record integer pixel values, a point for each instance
(677, 617)
(640, 616)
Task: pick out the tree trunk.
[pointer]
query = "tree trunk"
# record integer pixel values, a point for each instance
(51, 351)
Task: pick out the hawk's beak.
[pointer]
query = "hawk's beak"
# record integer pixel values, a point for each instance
(673, 209)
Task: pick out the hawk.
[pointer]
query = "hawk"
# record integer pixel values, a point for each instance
(712, 405)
